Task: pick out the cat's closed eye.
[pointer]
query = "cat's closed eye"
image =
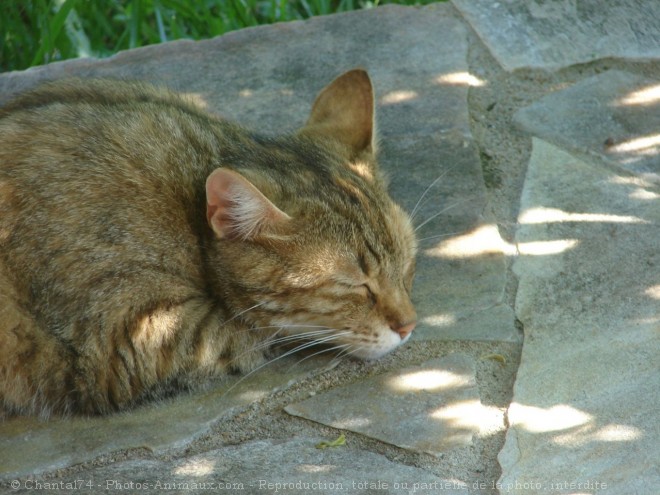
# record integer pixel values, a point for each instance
(153, 244)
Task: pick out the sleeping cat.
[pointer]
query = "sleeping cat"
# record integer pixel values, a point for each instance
(146, 244)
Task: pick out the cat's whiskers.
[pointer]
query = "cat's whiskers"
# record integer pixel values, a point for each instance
(243, 312)
(435, 215)
(340, 347)
(419, 201)
(274, 340)
(301, 347)
(439, 236)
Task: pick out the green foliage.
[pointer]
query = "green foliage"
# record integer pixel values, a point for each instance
(36, 32)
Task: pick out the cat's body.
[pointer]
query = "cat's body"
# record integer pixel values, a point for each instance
(146, 244)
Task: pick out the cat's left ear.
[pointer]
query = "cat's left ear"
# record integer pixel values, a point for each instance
(344, 110)
(236, 209)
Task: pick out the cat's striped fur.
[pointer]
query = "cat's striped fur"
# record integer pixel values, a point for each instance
(146, 244)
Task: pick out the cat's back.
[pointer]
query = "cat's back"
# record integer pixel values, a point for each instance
(101, 181)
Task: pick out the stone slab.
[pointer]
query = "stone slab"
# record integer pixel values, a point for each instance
(431, 408)
(614, 116)
(286, 466)
(585, 403)
(556, 34)
(29, 446)
(267, 77)
(493, 324)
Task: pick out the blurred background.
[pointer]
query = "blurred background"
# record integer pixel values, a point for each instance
(36, 32)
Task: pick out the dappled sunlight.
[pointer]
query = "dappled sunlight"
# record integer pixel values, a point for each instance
(642, 145)
(157, 328)
(440, 320)
(540, 420)
(546, 248)
(645, 96)
(400, 96)
(589, 433)
(641, 188)
(353, 424)
(470, 415)
(554, 215)
(460, 79)
(481, 241)
(199, 467)
(197, 99)
(251, 396)
(362, 169)
(486, 240)
(653, 292)
(316, 468)
(644, 195)
(428, 380)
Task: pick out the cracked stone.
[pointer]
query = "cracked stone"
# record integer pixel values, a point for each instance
(431, 408)
(268, 466)
(614, 116)
(552, 35)
(586, 394)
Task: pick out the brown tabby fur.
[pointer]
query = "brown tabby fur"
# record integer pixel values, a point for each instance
(146, 244)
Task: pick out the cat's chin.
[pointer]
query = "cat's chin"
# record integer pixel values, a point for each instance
(386, 344)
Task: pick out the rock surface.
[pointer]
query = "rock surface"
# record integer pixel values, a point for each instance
(424, 132)
(293, 466)
(614, 116)
(587, 392)
(28, 446)
(551, 35)
(569, 262)
(430, 408)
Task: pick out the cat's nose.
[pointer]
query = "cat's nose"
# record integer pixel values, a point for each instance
(404, 330)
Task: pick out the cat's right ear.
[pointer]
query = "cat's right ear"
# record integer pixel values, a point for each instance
(344, 110)
(236, 209)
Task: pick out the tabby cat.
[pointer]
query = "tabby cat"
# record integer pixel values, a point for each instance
(146, 244)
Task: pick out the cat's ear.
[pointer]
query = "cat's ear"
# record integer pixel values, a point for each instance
(235, 208)
(344, 110)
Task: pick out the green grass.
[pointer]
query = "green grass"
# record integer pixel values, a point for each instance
(36, 32)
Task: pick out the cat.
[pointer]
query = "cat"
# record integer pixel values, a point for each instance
(147, 245)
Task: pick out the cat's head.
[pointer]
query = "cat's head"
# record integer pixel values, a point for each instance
(307, 240)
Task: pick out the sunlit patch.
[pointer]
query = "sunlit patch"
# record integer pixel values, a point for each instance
(439, 320)
(653, 292)
(196, 99)
(398, 97)
(472, 415)
(428, 380)
(155, 329)
(589, 433)
(460, 79)
(362, 169)
(486, 240)
(641, 185)
(553, 215)
(545, 248)
(353, 423)
(245, 93)
(617, 433)
(315, 468)
(540, 420)
(201, 467)
(644, 194)
(645, 96)
(481, 241)
(253, 396)
(644, 145)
